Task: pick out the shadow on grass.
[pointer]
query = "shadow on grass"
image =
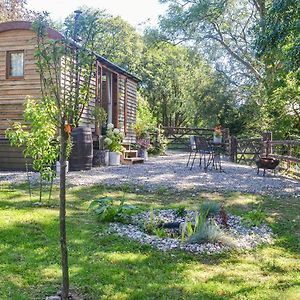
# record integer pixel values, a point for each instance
(282, 215)
(99, 265)
(106, 266)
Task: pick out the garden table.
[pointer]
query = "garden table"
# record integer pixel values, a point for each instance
(215, 161)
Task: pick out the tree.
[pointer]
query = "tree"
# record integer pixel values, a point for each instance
(221, 28)
(66, 68)
(278, 45)
(117, 40)
(225, 31)
(181, 88)
(14, 10)
(38, 136)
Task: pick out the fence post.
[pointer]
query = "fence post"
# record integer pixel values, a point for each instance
(267, 138)
(289, 150)
(233, 149)
(226, 134)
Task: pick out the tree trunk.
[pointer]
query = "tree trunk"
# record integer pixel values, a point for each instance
(62, 215)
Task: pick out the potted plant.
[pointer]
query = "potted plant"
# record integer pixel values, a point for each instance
(143, 144)
(100, 154)
(100, 116)
(113, 141)
(218, 135)
(142, 139)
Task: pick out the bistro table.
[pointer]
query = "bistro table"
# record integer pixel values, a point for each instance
(216, 161)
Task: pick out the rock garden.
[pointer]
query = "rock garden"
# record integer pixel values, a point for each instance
(208, 229)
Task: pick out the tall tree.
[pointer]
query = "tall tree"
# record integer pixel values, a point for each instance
(279, 46)
(221, 28)
(14, 10)
(181, 87)
(117, 40)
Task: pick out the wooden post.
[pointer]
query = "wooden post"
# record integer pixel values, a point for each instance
(267, 147)
(233, 149)
(288, 163)
(226, 134)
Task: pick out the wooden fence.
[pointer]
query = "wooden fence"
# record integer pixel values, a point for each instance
(244, 151)
(178, 137)
(287, 151)
(248, 150)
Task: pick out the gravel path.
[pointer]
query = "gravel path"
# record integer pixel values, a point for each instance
(170, 172)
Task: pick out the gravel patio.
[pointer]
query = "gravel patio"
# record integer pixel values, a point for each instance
(170, 172)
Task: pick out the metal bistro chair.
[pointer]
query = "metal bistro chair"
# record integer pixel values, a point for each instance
(193, 149)
(205, 152)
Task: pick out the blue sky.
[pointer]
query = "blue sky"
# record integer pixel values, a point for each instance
(133, 11)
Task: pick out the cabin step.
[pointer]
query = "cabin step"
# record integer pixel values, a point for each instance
(130, 153)
(132, 161)
(127, 146)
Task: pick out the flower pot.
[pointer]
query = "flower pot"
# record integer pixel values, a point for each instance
(58, 167)
(114, 159)
(97, 131)
(100, 158)
(143, 153)
(217, 140)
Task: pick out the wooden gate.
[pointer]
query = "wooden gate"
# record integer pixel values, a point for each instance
(178, 137)
(247, 150)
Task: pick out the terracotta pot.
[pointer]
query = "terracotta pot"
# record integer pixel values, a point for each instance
(97, 131)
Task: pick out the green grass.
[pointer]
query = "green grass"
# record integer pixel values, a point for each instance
(104, 266)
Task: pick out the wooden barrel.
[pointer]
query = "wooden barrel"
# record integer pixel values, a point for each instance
(82, 149)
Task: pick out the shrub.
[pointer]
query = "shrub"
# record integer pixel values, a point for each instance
(107, 211)
(189, 228)
(180, 212)
(211, 207)
(211, 233)
(150, 226)
(158, 142)
(114, 139)
(160, 232)
(254, 217)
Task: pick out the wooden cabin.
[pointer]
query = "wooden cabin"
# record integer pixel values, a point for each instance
(115, 88)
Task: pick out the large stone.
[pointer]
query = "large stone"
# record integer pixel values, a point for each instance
(53, 298)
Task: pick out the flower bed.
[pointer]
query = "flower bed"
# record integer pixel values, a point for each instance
(238, 235)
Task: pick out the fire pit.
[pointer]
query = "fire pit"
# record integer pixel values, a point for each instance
(266, 163)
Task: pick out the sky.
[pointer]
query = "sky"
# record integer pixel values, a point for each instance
(136, 12)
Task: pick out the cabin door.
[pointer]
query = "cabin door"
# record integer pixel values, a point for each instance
(108, 91)
(109, 98)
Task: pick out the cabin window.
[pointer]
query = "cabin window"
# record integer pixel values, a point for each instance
(15, 64)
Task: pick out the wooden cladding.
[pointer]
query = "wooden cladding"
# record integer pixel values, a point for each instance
(15, 89)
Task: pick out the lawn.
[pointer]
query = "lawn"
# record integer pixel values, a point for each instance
(105, 266)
